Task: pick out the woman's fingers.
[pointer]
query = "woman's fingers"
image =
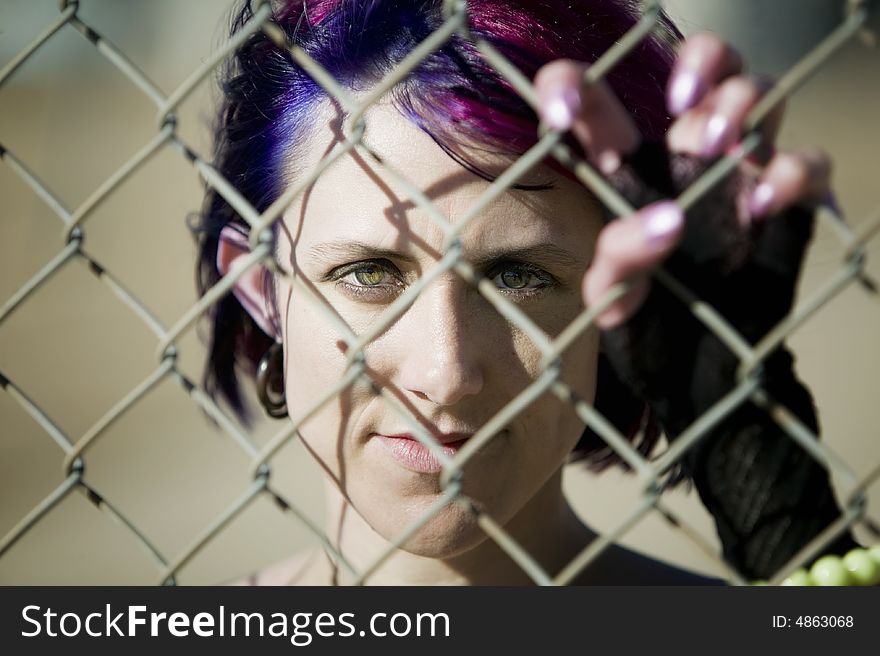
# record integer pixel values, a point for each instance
(703, 61)
(712, 99)
(630, 248)
(717, 122)
(798, 177)
(592, 112)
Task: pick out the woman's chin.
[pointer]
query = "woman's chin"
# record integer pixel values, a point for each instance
(451, 532)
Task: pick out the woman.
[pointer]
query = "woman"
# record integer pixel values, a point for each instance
(357, 240)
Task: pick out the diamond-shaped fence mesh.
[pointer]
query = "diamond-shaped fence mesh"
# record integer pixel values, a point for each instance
(85, 447)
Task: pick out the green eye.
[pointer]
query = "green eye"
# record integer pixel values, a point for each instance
(514, 279)
(367, 281)
(369, 275)
(522, 280)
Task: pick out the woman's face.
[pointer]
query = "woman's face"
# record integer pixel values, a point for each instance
(357, 239)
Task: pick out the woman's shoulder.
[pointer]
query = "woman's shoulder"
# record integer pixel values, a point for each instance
(617, 566)
(299, 569)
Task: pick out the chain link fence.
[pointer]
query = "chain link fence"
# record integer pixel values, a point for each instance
(75, 449)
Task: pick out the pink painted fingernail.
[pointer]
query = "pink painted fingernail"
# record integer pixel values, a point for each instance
(684, 91)
(716, 136)
(561, 108)
(608, 162)
(829, 200)
(661, 222)
(760, 200)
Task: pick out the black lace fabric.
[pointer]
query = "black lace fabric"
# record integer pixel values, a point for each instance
(767, 495)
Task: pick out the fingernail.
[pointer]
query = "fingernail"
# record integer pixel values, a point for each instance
(661, 222)
(829, 200)
(684, 91)
(608, 161)
(759, 201)
(561, 108)
(716, 135)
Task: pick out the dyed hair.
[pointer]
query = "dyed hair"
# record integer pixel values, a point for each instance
(453, 95)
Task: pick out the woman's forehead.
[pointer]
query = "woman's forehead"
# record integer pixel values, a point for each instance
(357, 199)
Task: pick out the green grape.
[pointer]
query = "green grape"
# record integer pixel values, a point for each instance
(829, 570)
(798, 577)
(863, 569)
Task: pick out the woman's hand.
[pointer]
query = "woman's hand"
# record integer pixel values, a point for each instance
(710, 98)
(740, 248)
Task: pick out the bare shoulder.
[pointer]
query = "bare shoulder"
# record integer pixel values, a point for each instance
(299, 569)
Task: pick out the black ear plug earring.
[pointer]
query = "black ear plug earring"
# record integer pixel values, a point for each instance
(270, 381)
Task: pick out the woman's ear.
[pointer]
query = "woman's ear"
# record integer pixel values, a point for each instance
(248, 289)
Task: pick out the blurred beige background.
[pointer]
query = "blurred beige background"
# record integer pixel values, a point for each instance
(76, 350)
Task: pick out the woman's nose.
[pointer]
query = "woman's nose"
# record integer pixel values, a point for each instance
(443, 349)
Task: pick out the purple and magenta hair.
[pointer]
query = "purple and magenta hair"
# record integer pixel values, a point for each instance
(453, 95)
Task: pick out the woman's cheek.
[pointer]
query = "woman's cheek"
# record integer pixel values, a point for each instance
(579, 365)
(315, 357)
(552, 316)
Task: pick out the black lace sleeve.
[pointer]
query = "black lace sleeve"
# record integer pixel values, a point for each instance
(768, 496)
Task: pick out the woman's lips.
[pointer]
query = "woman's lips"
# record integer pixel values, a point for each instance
(415, 456)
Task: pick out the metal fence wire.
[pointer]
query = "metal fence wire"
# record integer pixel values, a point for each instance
(76, 450)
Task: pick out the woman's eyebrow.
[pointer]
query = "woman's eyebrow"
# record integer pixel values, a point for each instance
(355, 250)
(545, 253)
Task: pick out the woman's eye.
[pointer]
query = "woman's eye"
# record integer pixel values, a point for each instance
(521, 279)
(515, 279)
(370, 275)
(369, 281)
